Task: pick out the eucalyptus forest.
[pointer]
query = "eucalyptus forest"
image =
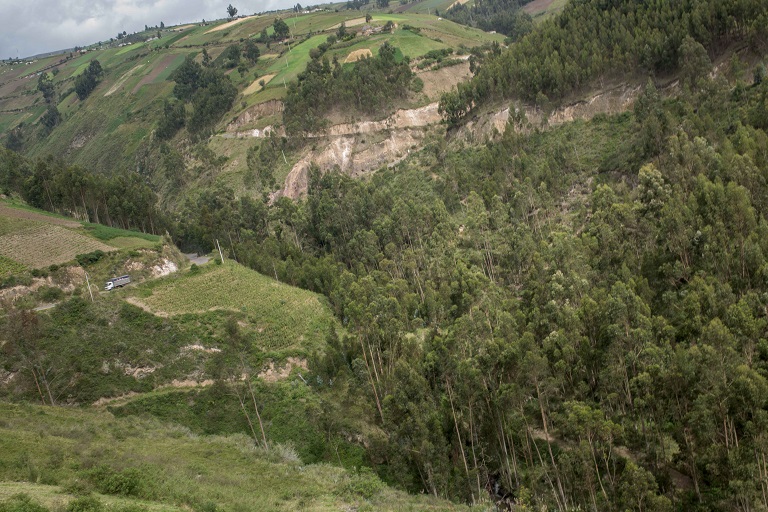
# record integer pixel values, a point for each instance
(565, 316)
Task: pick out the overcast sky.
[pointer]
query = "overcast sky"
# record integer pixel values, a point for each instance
(30, 27)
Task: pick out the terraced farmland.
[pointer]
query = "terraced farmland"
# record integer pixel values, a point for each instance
(31, 239)
(41, 245)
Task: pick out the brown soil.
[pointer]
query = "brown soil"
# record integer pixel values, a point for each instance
(537, 6)
(274, 373)
(358, 54)
(444, 79)
(6, 211)
(255, 86)
(254, 113)
(350, 23)
(227, 25)
(123, 79)
(152, 75)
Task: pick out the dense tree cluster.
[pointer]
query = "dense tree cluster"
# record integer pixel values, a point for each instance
(502, 16)
(365, 87)
(87, 81)
(574, 317)
(208, 89)
(121, 200)
(592, 38)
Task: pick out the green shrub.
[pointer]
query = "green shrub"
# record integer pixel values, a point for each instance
(89, 258)
(128, 482)
(364, 483)
(88, 503)
(50, 294)
(21, 503)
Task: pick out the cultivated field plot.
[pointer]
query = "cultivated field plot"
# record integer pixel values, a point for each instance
(41, 245)
(282, 316)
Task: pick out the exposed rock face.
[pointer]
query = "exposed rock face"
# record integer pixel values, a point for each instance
(358, 148)
(254, 113)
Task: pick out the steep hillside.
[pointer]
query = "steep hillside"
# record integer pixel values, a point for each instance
(114, 127)
(90, 460)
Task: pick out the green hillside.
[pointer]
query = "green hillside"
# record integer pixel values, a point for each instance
(62, 457)
(556, 299)
(34, 239)
(114, 124)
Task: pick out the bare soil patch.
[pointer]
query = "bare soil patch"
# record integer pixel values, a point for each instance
(358, 54)
(227, 25)
(255, 86)
(444, 79)
(122, 80)
(6, 211)
(458, 2)
(350, 23)
(159, 68)
(275, 373)
(537, 6)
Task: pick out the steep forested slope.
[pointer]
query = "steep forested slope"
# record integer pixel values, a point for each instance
(595, 38)
(570, 317)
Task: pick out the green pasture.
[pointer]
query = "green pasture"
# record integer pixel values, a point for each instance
(282, 316)
(55, 455)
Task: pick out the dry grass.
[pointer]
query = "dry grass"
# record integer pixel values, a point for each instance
(228, 25)
(41, 245)
(358, 54)
(256, 86)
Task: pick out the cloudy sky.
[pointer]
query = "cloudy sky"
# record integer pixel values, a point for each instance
(30, 27)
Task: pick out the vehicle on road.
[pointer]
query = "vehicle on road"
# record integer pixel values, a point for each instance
(117, 282)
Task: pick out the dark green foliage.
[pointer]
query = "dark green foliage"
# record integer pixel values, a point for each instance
(21, 503)
(231, 11)
(90, 258)
(252, 52)
(45, 86)
(208, 89)
(281, 29)
(122, 200)
(503, 16)
(174, 117)
(130, 482)
(231, 56)
(51, 118)
(87, 503)
(592, 38)
(365, 87)
(514, 312)
(87, 81)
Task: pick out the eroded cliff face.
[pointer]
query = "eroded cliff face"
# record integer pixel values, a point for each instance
(362, 147)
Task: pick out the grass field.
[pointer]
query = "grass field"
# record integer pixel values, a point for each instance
(31, 238)
(52, 453)
(41, 245)
(281, 316)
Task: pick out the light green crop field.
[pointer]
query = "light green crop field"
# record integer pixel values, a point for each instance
(282, 316)
(51, 453)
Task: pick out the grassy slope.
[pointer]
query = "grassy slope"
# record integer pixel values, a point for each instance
(35, 239)
(58, 447)
(281, 317)
(106, 131)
